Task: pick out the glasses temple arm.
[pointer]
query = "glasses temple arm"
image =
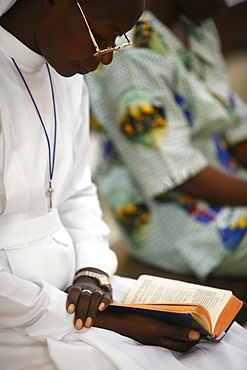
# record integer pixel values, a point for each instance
(89, 29)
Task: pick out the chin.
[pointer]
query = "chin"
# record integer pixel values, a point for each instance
(68, 71)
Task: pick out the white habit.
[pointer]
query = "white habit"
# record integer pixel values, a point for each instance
(40, 250)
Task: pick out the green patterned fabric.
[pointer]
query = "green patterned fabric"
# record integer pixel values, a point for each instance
(163, 113)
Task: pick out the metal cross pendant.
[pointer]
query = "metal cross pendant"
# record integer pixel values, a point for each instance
(49, 192)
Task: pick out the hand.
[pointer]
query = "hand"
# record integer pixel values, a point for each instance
(148, 330)
(85, 299)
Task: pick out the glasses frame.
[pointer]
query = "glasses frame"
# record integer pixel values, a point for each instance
(109, 49)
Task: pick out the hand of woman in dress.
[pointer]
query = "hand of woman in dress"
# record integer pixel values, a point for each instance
(85, 299)
(148, 330)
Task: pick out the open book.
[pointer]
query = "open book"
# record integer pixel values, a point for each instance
(208, 310)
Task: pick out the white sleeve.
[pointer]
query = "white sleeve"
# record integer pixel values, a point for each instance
(79, 209)
(34, 309)
(31, 308)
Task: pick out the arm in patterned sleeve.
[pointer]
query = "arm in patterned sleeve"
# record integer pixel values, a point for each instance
(142, 119)
(149, 118)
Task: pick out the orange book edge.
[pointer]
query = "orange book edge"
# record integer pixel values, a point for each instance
(227, 315)
(197, 311)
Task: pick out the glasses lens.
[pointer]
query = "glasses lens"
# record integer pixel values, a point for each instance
(123, 40)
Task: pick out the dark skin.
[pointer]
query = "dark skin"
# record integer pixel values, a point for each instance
(57, 30)
(232, 28)
(90, 310)
(211, 184)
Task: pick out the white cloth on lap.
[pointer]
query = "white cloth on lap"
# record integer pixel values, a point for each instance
(110, 351)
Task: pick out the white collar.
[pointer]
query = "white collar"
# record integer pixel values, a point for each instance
(5, 5)
(26, 58)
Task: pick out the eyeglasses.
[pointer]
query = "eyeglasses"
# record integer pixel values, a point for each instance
(109, 49)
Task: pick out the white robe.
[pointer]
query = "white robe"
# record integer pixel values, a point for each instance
(40, 249)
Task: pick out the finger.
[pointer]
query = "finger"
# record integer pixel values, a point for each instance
(96, 298)
(105, 301)
(82, 309)
(176, 345)
(72, 298)
(180, 333)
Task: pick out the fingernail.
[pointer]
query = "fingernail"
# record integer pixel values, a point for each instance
(194, 335)
(101, 306)
(78, 324)
(88, 322)
(71, 308)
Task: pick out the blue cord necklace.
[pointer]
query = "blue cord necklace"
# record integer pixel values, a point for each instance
(51, 154)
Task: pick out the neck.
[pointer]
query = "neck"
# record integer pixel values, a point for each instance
(167, 13)
(20, 23)
(164, 10)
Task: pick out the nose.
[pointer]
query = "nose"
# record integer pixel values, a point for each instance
(105, 58)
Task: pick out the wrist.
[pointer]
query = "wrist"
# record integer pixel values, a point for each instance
(93, 269)
(99, 276)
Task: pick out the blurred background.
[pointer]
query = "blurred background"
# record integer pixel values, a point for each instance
(232, 27)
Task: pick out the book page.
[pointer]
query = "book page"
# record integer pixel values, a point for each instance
(152, 289)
